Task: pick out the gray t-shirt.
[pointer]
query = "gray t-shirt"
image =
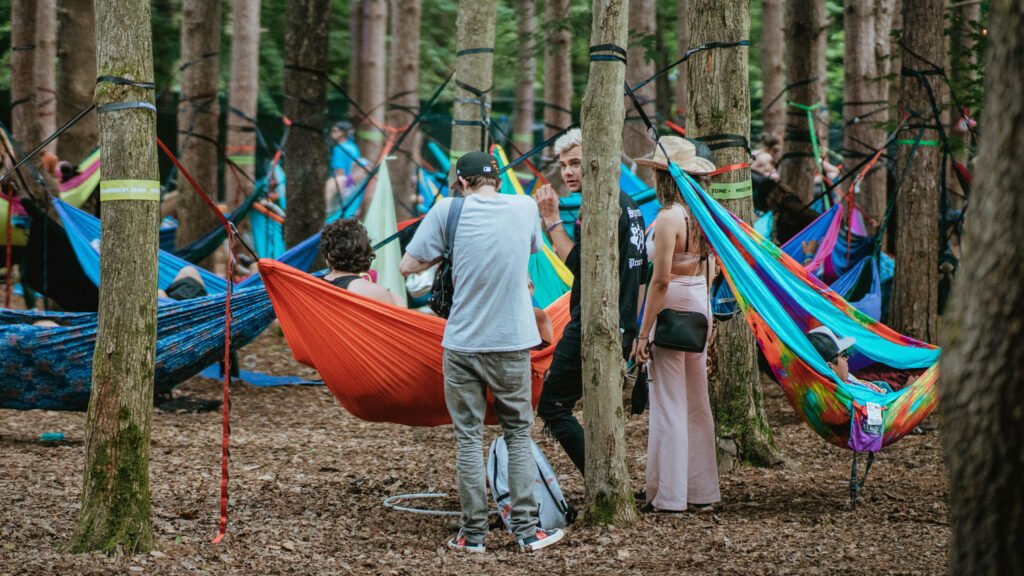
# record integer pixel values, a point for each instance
(491, 307)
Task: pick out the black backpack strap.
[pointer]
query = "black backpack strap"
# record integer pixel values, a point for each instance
(451, 225)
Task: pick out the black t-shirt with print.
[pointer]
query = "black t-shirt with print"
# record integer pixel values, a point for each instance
(632, 271)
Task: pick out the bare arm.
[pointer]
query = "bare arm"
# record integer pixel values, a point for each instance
(667, 227)
(410, 265)
(547, 203)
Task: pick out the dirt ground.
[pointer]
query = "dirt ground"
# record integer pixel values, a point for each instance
(308, 481)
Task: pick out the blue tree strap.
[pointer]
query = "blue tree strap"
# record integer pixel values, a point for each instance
(126, 82)
(468, 51)
(115, 106)
(618, 53)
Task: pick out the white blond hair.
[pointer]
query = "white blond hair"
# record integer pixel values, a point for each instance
(566, 141)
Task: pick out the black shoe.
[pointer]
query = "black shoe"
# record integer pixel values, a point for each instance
(650, 509)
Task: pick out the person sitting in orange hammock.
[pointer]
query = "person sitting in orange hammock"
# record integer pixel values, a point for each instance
(347, 250)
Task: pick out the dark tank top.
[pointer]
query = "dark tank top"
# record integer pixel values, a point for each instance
(343, 281)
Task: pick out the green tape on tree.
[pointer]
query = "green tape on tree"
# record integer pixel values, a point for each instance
(243, 160)
(732, 190)
(370, 135)
(148, 190)
(918, 142)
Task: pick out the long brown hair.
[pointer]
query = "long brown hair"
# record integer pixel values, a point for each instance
(667, 191)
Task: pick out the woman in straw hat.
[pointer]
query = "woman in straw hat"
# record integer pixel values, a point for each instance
(681, 465)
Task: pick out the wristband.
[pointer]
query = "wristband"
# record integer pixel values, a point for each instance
(551, 227)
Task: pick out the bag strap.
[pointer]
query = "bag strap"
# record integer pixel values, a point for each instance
(452, 225)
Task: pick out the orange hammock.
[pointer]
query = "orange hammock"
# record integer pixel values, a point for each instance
(382, 363)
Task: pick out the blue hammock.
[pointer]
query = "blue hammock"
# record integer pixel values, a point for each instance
(51, 368)
(83, 230)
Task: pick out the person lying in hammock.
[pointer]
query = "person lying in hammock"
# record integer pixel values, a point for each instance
(347, 250)
(833, 350)
(187, 284)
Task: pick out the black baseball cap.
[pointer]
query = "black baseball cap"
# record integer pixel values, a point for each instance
(476, 164)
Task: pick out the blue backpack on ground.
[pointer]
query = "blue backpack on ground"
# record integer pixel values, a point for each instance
(553, 510)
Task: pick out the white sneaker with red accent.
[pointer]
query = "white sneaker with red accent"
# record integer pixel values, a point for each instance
(541, 539)
(461, 543)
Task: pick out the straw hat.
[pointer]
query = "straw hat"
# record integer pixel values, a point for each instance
(682, 152)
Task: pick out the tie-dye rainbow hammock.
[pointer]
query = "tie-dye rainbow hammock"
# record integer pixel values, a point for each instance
(781, 301)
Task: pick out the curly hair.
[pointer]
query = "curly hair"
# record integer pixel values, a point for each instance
(345, 246)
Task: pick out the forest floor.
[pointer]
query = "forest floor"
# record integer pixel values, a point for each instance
(308, 480)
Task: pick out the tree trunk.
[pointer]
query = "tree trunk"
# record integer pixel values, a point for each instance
(557, 67)
(198, 115)
(24, 103)
(115, 513)
(865, 99)
(682, 90)
(805, 26)
(773, 76)
(305, 44)
(76, 47)
(720, 104)
(405, 100)
(609, 497)
(526, 74)
(635, 140)
(243, 95)
(46, 68)
(355, 79)
(373, 78)
(474, 59)
(963, 59)
(915, 286)
(981, 392)
(665, 97)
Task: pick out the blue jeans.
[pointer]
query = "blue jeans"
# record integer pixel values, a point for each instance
(467, 377)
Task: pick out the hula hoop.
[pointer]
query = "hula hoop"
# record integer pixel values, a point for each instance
(389, 502)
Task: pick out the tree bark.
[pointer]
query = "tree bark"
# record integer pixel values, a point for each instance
(682, 90)
(635, 140)
(773, 76)
(198, 115)
(76, 51)
(557, 67)
(805, 26)
(305, 103)
(405, 100)
(46, 68)
(915, 286)
(355, 79)
(963, 59)
(526, 74)
(24, 102)
(373, 78)
(720, 104)
(243, 95)
(609, 498)
(115, 512)
(474, 30)
(981, 392)
(866, 98)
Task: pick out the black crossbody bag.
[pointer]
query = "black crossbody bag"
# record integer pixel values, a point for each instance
(685, 331)
(444, 286)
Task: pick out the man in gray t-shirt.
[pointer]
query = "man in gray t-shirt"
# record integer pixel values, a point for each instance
(487, 341)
